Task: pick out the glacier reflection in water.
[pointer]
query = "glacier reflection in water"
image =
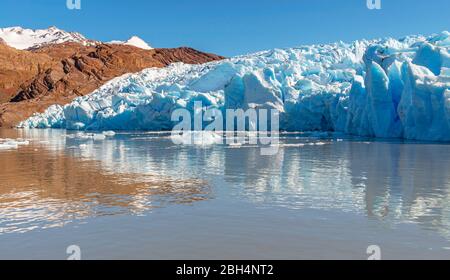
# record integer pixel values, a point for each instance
(389, 182)
(44, 185)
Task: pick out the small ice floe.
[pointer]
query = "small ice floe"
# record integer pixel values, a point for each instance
(83, 146)
(9, 144)
(109, 133)
(297, 145)
(235, 145)
(201, 138)
(88, 136)
(99, 137)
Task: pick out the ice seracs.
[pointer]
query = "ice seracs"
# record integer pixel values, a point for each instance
(134, 41)
(384, 88)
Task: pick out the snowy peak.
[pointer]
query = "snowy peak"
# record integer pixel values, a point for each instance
(28, 39)
(134, 41)
(138, 42)
(23, 39)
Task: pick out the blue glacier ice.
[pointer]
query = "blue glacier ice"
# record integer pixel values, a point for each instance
(385, 88)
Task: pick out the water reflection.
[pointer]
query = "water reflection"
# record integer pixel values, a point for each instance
(404, 181)
(42, 188)
(391, 182)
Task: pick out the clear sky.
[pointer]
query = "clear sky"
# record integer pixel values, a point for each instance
(231, 27)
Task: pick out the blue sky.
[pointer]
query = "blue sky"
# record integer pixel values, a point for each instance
(231, 27)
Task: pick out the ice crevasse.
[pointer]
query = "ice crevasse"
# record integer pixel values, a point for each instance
(388, 88)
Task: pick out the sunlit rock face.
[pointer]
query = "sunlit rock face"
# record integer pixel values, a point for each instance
(384, 88)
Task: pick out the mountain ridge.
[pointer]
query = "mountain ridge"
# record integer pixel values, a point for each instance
(30, 39)
(133, 41)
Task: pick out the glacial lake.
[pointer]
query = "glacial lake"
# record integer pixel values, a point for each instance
(136, 195)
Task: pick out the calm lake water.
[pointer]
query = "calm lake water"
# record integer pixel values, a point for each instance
(139, 196)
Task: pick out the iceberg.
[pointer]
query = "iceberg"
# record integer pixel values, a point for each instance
(200, 138)
(10, 144)
(385, 88)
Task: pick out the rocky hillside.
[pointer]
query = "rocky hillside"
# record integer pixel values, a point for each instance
(31, 80)
(17, 67)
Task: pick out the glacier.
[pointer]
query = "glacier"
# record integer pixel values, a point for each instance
(384, 88)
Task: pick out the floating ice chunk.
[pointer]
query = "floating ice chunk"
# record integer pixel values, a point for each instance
(294, 145)
(235, 145)
(87, 136)
(10, 144)
(109, 133)
(83, 146)
(201, 138)
(99, 137)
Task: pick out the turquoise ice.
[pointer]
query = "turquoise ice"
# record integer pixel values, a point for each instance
(384, 88)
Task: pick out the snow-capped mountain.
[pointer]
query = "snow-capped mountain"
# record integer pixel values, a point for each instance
(134, 41)
(22, 39)
(384, 88)
(25, 39)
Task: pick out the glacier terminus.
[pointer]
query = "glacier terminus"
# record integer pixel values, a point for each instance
(383, 88)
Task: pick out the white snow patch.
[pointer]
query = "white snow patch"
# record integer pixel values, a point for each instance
(23, 38)
(133, 41)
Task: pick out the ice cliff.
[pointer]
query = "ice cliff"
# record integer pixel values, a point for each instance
(378, 88)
